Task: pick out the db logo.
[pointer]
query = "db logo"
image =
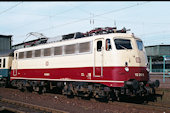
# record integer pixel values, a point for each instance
(46, 63)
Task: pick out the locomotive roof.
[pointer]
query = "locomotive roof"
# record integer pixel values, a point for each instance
(6, 53)
(83, 39)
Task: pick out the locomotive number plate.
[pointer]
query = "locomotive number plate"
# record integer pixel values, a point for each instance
(139, 74)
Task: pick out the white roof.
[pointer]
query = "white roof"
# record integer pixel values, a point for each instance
(70, 41)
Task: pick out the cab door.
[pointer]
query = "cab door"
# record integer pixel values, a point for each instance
(98, 57)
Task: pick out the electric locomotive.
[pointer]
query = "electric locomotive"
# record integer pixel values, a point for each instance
(102, 63)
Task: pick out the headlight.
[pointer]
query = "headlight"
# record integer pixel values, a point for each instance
(126, 69)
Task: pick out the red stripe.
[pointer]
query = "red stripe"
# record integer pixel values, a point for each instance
(109, 73)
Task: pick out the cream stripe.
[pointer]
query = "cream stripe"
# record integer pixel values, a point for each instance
(67, 79)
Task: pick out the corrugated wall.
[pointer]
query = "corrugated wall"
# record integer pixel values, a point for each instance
(164, 50)
(158, 50)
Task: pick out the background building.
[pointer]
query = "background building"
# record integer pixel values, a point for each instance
(5, 42)
(155, 55)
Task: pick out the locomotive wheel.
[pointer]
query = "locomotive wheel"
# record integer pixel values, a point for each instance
(71, 95)
(29, 89)
(68, 90)
(153, 91)
(118, 95)
(22, 88)
(119, 99)
(4, 83)
(42, 90)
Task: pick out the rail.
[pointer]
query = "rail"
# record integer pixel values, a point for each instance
(31, 106)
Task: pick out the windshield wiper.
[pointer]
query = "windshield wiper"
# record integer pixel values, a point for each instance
(122, 47)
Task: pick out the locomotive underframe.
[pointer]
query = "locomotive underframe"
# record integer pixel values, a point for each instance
(4, 81)
(88, 90)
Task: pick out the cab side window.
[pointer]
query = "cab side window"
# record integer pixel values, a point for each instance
(108, 45)
(99, 46)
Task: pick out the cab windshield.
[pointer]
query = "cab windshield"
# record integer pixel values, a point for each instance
(123, 44)
(140, 44)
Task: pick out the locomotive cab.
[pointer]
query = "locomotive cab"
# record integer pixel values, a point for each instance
(131, 65)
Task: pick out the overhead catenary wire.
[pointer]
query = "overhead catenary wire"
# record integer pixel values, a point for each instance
(125, 21)
(11, 8)
(83, 19)
(48, 16)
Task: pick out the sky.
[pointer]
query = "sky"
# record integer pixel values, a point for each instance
(149, 20)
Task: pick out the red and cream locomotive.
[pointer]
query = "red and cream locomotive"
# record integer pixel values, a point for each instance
(102, 63)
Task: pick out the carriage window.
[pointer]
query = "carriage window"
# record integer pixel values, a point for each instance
(99, 45)
(28, 54)
(123, 44)
(47, 52)
(4, 63)
(21, 55)
(58, 50)
(0, 63)
(108, 45)
(84, 47)
(140, 45)
(70, 49)
(38, 53)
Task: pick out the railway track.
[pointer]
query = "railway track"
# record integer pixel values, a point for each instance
(28, 107)
(159, 106)
(78, 104)
(4, 109)
(150, 105)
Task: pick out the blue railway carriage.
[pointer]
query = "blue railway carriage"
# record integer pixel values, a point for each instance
(6, 58)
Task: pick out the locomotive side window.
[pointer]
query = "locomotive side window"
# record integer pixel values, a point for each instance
(21, 55)
(99, 45)
(140, 44)
(4, 63)
(122, 44)
(70, 49)
(58, 50)
(47, 52)
(29, 54)
(84, 47)
(108, 45)
(0, 62)
(37, 53)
